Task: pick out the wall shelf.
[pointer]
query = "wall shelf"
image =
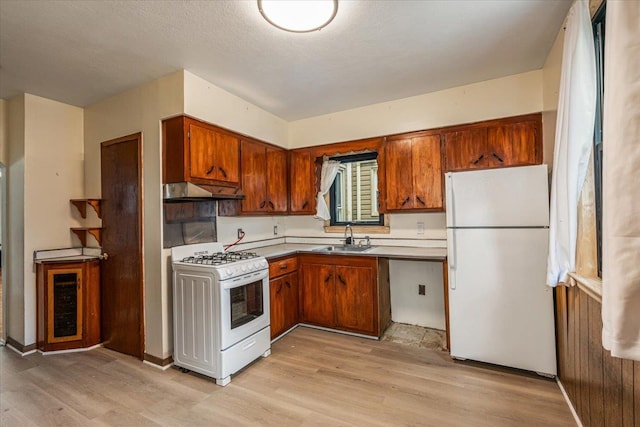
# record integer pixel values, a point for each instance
(81, 205)
(82, 232)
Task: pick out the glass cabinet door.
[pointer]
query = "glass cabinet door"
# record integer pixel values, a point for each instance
(64, 295)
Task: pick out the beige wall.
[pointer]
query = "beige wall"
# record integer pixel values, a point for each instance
(141, 110)
(15, 262)
(550, 91)
(207, 102)
(4, 130)
(507, 96)
(45, 170)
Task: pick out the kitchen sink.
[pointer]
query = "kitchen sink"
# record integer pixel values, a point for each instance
(343, 248)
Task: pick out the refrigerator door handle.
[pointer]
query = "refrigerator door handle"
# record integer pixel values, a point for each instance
(451, 209)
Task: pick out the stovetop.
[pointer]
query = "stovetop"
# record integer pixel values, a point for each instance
(219, 258)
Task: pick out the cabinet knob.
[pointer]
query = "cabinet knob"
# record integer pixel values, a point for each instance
(210, 169)
(103, 255)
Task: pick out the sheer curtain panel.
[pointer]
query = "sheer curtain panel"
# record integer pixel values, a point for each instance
(327, 176)
(621, 182)
(574, 139)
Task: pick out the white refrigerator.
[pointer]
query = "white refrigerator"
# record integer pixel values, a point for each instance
(500, 309)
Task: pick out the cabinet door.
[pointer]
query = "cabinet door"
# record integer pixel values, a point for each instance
(276, 180)
(254, 173)
(290, 300)
(226, 156)
(301, 182)
(317, 294)
(399, 182)
(64, 305)
(355, 299)
(426, 158)
(466, 149)
(277, 307)
(202, 152)
(514, 144)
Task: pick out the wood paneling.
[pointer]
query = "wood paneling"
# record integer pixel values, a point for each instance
(603, 389)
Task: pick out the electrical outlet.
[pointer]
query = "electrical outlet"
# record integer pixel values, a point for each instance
(275, 230)
(420, 226)
(240, 233)
(422, 290)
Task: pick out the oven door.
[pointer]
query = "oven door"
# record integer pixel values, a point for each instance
(244, 307)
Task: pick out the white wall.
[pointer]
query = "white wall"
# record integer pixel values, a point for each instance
(409, 307)
(507, 96)
(45, 170)
(208, 102)
(141, 110)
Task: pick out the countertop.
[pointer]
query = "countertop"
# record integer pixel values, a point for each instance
(400, 252)
(63, 259)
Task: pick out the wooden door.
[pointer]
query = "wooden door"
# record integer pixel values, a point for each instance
(254, 173)
(201, 152)
(227, 158)
(122, 288)
(513, 144)
(355, 299)
(399, 183)
(426, 160)
(317, 294)
(290, 300)
(276, 180)
(466, 149)
(302, 191)
(277, 307)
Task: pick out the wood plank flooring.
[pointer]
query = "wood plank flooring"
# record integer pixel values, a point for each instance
(313, 377)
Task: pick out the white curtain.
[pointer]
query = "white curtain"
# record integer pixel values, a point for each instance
(621, 182)
(574, 139)
(329, 171)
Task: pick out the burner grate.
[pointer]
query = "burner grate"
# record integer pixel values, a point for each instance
(220, 258)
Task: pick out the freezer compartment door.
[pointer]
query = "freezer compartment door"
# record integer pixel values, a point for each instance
(507, 197)
(500, 310)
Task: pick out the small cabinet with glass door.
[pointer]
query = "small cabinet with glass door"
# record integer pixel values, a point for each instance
(68, 302)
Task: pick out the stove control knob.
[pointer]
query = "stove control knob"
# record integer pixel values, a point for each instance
(228, 272)
(244, 268)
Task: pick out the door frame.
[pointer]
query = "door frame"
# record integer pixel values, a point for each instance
(138, 137)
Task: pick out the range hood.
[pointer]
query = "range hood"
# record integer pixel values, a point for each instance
(185, 191)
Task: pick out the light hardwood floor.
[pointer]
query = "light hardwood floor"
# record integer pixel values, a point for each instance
(313, 377)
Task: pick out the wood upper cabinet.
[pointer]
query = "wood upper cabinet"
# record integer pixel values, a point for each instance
(302, 191)
(413, 167)
(344, 292)
(514, 141)
(199, 152)
(264, 178)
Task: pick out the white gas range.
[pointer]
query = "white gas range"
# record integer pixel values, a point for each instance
(220, 309)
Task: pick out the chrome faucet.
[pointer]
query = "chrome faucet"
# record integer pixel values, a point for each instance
(348, 240)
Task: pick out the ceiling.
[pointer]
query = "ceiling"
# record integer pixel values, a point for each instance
(80, 52)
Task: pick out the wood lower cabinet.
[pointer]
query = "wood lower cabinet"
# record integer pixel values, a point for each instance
(513, 141)
(413, 167)
(68, 305)
(349, 293)
(283, 294)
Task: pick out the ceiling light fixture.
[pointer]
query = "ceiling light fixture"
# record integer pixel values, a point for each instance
(298, 16)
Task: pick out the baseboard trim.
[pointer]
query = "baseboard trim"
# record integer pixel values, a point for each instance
(71, 350)
(23, 350)
(566, 398)
(157, 362)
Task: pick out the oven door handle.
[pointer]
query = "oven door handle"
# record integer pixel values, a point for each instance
(238, 282)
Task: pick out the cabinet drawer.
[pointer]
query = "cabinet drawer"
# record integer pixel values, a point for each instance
(282, 266)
